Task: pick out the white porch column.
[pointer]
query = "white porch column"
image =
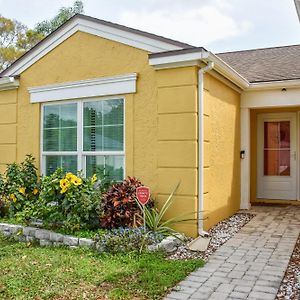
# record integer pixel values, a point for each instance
(245, 162)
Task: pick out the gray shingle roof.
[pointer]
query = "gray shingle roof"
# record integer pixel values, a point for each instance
(267, 64)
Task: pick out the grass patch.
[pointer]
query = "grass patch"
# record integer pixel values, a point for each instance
(61, 273)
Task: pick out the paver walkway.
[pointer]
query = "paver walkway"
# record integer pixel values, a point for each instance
(251, 265)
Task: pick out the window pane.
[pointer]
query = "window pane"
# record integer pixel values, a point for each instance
(113, 138)
(67, 162)
(110, 165)
(92, 113)
(51, 116)
(94, 165)
(113, 112)
(60, 127)
(114, 167)
(93, 139)
(103, 125)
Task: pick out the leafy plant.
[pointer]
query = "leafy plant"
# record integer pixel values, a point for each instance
(155, 219)
(20, 186)
(127, 239)
(120, 208)
(70, 201)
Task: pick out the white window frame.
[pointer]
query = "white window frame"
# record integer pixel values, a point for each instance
(80, 153)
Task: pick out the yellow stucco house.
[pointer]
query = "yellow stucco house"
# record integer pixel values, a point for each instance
(98, 94)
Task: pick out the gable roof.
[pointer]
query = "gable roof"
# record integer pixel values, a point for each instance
(266, 64)
(126, 35)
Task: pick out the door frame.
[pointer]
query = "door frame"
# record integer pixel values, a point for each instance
(280, 116)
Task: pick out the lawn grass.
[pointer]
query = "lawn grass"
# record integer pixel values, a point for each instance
(62, 273)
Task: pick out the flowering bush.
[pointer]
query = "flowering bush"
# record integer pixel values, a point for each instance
(120, 208)
(19, 187)
(70, 201)
(127, 239)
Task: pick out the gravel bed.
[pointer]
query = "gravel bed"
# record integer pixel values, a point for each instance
(290, 285)
(219, 234)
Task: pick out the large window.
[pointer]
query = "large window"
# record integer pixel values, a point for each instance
(84, 135)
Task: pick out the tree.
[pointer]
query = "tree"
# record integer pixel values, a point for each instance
(64, 14)
(16, 38)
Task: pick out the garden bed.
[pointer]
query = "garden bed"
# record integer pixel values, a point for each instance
(290, 285)
(219, 234)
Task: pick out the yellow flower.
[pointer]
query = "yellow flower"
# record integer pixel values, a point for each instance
(13, 197)
(35, 191)
(22, 190)
(63, 190)
(94, 179)
(69, 175)
(76, 181)
(64, 184)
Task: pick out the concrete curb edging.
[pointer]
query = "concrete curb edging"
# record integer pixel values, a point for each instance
(44, 237)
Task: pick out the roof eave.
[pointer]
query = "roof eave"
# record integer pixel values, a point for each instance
(297, 4)
(192, 57)
(9, 83)
(115, 32)
(269, 85)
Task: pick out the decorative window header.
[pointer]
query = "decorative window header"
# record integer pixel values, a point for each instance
(103, 86)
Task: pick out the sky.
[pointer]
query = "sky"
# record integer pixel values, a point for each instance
(217, 25)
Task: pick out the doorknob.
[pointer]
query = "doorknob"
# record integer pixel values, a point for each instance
(294, 155)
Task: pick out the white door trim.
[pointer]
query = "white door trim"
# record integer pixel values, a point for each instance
(289, 183)
(245, 162)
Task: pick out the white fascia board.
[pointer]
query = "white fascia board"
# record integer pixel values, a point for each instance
(194, 58)
(228, 72)
(125, 37)
(275, 84)
(177, 60)
(8, 83)
(94, 28)
(297, 4)
(104, 86)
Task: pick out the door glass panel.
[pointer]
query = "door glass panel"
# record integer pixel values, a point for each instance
(277, 148)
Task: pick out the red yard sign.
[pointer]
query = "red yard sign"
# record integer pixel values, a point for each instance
(143, 194)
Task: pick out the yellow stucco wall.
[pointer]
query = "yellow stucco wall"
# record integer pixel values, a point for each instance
(8, 127)
(161, 123)
(221, 151)
(177, 142)
(85, 56)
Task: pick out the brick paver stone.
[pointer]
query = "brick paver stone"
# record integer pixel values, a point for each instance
(251, 265)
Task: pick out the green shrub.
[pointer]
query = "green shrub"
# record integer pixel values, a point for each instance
(70, 201)
(4, 202)
(155, 219)
(127, 239)
(120, 208)
(19, 187)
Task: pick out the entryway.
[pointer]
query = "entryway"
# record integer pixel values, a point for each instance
(277, 159)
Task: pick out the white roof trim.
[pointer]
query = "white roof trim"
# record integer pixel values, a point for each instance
(228, 72)
(177, 60)
(297, 4)
(8, 83)
(92, 27)
(269, 85)
(96, 87)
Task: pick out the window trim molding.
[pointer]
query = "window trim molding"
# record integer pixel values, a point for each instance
(96, 87)
(80, 153)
